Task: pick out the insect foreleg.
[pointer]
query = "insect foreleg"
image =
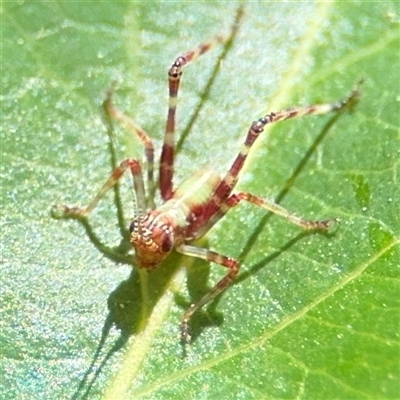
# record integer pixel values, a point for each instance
(65, 212)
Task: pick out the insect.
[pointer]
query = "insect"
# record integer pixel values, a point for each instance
(189, 211)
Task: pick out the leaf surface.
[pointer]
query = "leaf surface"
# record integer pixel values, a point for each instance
(311, 316)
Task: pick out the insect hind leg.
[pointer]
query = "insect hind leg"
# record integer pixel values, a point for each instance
(219, 203)
(174, 78)
(211, 256)
(112, 112)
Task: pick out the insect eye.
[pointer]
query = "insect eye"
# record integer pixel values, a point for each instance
(133, 226)
(166, 244)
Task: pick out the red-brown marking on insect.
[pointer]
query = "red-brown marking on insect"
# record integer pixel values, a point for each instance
(199, 202)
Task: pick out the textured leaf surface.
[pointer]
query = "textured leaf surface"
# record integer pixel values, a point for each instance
(311, 316)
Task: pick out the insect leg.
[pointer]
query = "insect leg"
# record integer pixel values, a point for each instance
(66, 212)
(279, 210)
(218, 204)
(130, 124)
(174, 77)
(211, 256)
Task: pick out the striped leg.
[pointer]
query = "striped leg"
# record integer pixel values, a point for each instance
(174, 77)
(137, 131)
(236, 198)
(219, 203)
(210, 256)
(65, 212)
(231, 263)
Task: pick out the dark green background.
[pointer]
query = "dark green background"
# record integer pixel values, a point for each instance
(311, 316)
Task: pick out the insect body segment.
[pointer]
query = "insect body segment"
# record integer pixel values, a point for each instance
(199, 202)
(154, 234)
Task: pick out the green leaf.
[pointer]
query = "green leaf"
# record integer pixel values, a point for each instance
(310, 316)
